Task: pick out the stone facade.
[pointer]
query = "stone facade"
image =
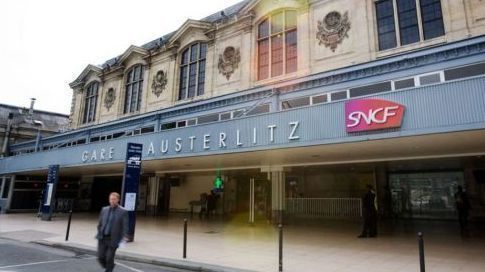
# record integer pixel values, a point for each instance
(237, 27)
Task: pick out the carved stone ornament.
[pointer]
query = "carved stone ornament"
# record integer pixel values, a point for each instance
(333, 29)
(159, 83)
(110, 98)
(229, 61)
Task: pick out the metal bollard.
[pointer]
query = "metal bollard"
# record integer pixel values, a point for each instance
(280, 255)
(185, 238)
(68, 225)
(421, 252)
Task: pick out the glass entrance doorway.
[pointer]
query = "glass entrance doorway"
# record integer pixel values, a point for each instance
(424, 195)
(253, 198)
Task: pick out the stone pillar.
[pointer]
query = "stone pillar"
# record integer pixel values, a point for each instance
(152, 195)
(384, 203)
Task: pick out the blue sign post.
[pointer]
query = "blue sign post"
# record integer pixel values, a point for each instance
(131, 181)
(50, 192)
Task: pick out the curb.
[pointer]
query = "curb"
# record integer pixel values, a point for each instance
(132, 257)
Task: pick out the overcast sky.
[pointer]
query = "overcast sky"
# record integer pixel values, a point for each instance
(45, 44)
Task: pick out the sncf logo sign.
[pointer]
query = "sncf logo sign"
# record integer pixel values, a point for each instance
(372, 114)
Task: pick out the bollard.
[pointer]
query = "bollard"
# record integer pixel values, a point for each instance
(421, 252)
(68, 225)
(185, 238)
(280, 255)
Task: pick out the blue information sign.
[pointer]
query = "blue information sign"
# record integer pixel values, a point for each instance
(131, 181)
(50, 192)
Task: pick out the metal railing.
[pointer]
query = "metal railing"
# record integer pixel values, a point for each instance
(324, 207)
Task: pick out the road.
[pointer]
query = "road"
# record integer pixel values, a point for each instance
(28, 257)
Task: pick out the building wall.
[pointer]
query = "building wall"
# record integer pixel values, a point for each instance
(462, 19)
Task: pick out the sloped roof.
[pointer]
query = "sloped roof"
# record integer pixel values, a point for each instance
(213, 18)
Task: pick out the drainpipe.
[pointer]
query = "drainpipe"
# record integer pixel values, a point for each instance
(7, 135)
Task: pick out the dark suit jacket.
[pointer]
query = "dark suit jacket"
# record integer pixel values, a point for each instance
(119, 229)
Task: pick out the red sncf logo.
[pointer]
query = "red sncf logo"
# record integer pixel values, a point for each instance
(372, 114)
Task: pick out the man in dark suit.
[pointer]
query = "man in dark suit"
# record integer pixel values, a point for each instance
(112, 229)
(369, 213)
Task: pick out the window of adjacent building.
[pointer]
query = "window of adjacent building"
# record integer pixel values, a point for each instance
(90, 102)
(402, 22)
(134, 88)
(277, 45)
(192, 71)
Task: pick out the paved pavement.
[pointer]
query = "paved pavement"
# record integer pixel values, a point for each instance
(28, 257)
(230, 245)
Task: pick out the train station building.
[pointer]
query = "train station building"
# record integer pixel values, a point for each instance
(295, 105)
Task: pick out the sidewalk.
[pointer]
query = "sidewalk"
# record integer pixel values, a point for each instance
(315, 246)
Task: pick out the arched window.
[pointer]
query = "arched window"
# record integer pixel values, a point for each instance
(192, 71)
(133, 89)
(277, 40)
(90, 101)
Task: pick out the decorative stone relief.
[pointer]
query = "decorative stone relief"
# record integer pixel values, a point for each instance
(159, 83)
(229, 61)
(333, 29)
(110, 98)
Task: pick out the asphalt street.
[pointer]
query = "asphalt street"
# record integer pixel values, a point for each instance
(23, 256)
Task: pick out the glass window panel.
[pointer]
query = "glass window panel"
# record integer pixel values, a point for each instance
(225, 116)
(408, 21)
(429, 79)
(183, 82)
(295, 103)
(203, 50)
(405, 83)
(166, 126)
(370, 89)
(320, 99)
(263, 59)
(191, 122)
(181, 123)
(290, 19)
(385, 24)
(200, 86)
(192, 80)
(208, 118)
(194, 52)
(259, 109)
(291, 51)
(185, 56)
(466, 71)
(276, 55)
(277, 22)
(263, 29)
(338, 95)
(432, 19)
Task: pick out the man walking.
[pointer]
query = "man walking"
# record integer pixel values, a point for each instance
(369, 213)
(112, 229)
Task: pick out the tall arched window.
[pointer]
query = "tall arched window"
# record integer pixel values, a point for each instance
(90, 101)
(277, 40)
(133, 89)
(192, 71)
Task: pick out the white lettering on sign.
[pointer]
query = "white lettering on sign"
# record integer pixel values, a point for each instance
(95, 155)
(234, 139)
(371, 116)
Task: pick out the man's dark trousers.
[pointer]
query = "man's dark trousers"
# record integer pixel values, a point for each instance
(106, 253)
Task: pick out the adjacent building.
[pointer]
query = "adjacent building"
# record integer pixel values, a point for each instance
(296, 105)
